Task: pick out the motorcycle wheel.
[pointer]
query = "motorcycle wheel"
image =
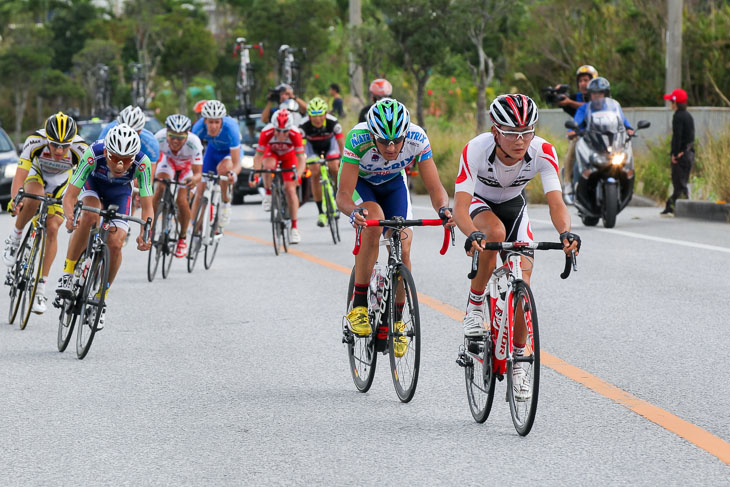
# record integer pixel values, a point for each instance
(589, 221)
(610, 208)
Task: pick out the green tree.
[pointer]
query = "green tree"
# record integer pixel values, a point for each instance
(70, 27)
(85, 62)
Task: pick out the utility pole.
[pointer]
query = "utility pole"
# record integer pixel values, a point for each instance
(673, 77)
(355, 70)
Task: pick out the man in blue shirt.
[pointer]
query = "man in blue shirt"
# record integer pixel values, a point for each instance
(223, 153)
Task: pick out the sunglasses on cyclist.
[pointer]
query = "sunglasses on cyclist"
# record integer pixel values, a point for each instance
(282, 131)
(513, 135)
(117, 159)
(388, 142)
(58, 145)
(174, 136)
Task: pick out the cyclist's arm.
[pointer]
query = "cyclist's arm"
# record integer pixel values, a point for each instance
(349, 174)
(436, 190)
(19, 179)
(340, 138)
(462, 202)
(32, 145)
(558, 211)
(236, 159)
(70, 197)
(266, 114)
(147, 210)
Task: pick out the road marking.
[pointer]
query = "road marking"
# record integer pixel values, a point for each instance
(699, 437)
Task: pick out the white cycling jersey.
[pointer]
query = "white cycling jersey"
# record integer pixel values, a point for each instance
(483, 175)
(191, 153)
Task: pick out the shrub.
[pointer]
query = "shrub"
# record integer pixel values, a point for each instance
(713, 177)
(653, 174)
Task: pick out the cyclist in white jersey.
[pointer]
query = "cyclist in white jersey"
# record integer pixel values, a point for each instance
(181, 161)
(490, 204)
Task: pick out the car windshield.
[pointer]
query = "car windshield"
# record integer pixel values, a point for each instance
(90, 131)
(5, 144)
(250, 137)
(153, 125)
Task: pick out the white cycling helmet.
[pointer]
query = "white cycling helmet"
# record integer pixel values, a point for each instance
(177, 123)
(122, 140)
(213, 109)
(132, 116)
(282, 120)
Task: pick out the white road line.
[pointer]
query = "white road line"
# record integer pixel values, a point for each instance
(682, 243)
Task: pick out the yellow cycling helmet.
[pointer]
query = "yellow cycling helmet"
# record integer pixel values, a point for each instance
(60, 128)
(587, 69)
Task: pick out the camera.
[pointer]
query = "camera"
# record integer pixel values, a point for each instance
(555, 95)
(273, 95)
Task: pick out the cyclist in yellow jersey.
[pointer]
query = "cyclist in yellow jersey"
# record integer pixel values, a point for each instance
(48, 157)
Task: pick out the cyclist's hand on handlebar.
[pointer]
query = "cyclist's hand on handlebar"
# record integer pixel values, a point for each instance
(357, 217)
(70, 223)
(253, 181)
(447, 216)
(141, 244)
(475, 241)
(571, 242)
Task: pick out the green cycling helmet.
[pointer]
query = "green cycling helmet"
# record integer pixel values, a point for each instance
(388, 119)
(317, 106)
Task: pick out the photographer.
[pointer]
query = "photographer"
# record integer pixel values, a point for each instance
(278, 95)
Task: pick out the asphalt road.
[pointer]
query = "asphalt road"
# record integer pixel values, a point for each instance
(237, 375)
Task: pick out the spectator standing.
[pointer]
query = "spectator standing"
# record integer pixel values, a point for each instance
(338, 106)
(683, 152)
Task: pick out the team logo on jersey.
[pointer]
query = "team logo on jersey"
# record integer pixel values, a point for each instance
(416, 137)
(142, 167)
(90, 161)
(359, 139)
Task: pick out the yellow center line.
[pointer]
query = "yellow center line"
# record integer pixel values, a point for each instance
(701, 438)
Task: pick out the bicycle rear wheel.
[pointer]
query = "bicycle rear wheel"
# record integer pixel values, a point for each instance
(360, 350)
(284, 221)
(276, 219)
(213, 236)
(406, 339)
(92, 301)
(157, 235)
(479, 377)
(34, 271)
(523, 406)
(170, 242)
(195, 235)
(17, 275)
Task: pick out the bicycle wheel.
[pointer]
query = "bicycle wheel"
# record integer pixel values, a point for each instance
(92, 301)
(284, 222)
(17, 275)
(159, 228)
(330, 212)
(213, 236)
(34, 271)
(360, 350)
(404, 368)
(195, 238)
(479, 377)
(276, 219)
(523, 408)
(68, 315)
(171, 237)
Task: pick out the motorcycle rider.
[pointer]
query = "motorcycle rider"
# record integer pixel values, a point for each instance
(599, 92)
(583, 76)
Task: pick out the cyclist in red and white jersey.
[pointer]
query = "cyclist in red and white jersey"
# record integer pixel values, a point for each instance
(490, 203)
(280, 145)
(182, 161)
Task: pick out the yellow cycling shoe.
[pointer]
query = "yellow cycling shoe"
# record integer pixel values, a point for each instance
(359, 322)
(400, 343)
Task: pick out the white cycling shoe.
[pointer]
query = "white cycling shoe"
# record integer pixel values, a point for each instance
(474, 323)
(266, 202)
(39, 304)
(295, 238)
(521, 385)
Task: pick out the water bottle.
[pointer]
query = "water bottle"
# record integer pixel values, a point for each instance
(377, 283)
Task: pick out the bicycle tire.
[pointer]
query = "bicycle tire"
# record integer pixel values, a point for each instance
(35, 266)
(479, 377)
(196, 239)
(68, 315)
(170, 241)
(524, 419)
(212, 247)
(18, 284)
(283, 224)
(275, 218)
(404, 369)
(329, 211)
(92, 301)
(157, 235)
(360, 350)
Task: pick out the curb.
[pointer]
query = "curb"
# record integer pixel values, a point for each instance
(642, 201)
(703, 210)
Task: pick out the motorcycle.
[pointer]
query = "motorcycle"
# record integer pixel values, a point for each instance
(605, 163)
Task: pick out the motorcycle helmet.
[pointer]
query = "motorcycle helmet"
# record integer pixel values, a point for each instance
(586, 69)
(598, 85)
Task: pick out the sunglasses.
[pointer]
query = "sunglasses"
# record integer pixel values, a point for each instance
(513, 136)
(388, 142)
(117, 159)
(282, 131)
(57, 145)
(174, 136)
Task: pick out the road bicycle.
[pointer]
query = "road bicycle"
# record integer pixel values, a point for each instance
(491, 357)
(90, 282)
(280, 216)
(289, 67)
(245, 81)
(24, 275)
(328, 198)
(394, 324)
(165, 231)
(206, 230)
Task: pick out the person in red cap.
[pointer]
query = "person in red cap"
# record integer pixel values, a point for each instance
(683, 152)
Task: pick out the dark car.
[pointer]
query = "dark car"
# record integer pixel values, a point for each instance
(8, 165)
(249, 138)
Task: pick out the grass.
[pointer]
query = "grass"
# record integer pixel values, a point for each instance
(712, 178)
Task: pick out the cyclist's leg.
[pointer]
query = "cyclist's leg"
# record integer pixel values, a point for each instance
(224, 167)
(121, 197)
(333, 159)
(519, 230)
(314, 182)
(183, 210)
(211, 158)
(80, 236)
(289, 161)
(369, 243)
(163, 171)
(53, 222)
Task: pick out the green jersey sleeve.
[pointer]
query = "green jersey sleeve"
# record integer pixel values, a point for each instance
(86, 165)
(357, 143)
(144, 177)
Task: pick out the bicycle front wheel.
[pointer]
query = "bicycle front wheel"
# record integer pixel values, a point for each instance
(276, 219)
(92, 301)
(360, 350)
(17, 275)
(404, 341)
(170, 242)
(213, 237)
(330, 211)
(158, 240)
(283, 223)
(196, 236)
(479, 377)
(33, 272)
(522, 396)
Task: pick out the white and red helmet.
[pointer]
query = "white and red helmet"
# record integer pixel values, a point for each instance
(513, 111)
(381, 88)
(282, 120)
